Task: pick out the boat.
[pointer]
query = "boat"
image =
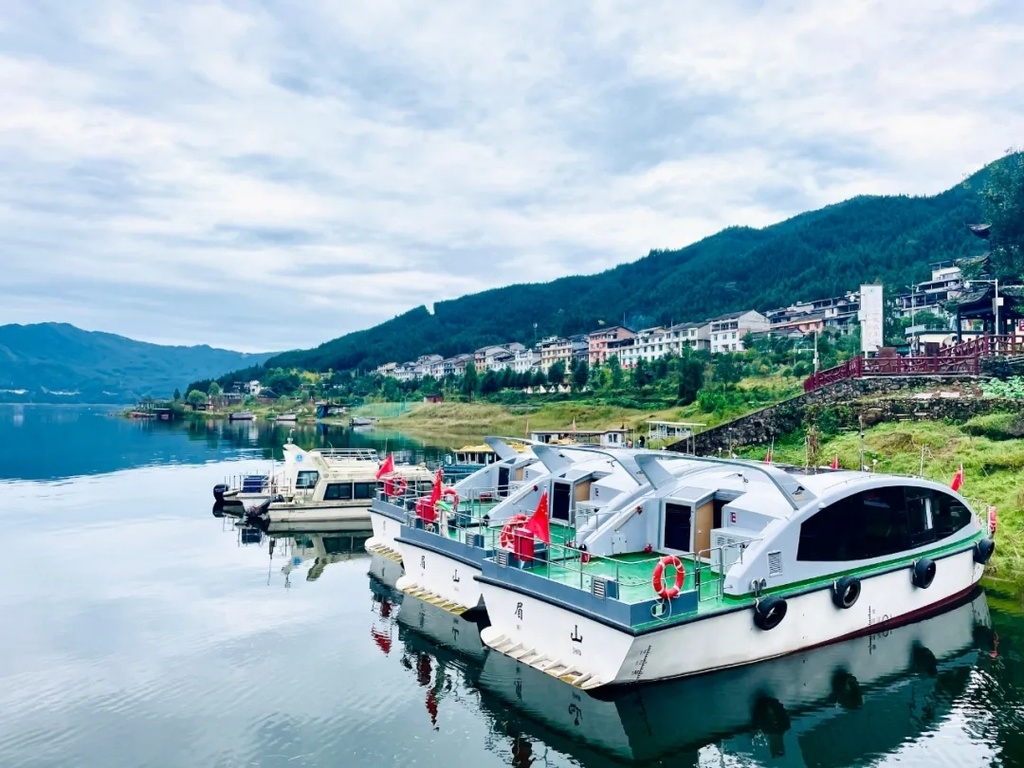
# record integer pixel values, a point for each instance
(362, 421)
(295, 475)
(848, 703)
(466, 460)
(476, 494)
(286, 417)
(331, 491)
(443, 557)
(242, 416)
(718, 563)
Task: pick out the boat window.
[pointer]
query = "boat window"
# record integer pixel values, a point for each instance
(338, 492)
(364, 490)
(879, 522)
(306, 478)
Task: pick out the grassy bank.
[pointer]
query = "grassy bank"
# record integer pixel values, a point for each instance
(993, 461)
(478, 418)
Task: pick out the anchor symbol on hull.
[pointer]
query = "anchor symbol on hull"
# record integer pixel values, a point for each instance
(576, 637)
(455, 576)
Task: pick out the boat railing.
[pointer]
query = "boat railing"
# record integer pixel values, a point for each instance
(473, 502)
(712, 564)
(586, 512)
(362, 454)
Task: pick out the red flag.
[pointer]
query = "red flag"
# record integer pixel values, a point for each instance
(835, 461)
(435, 493)
(958, 479)
(387, 467)
(768, 457)
(538, 523)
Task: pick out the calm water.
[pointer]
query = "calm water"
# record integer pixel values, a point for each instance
(141, 631)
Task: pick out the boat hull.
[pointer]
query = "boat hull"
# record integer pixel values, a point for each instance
(589, 653)
(385, 528)
(438, 578)
(867, 677)
(342, 518)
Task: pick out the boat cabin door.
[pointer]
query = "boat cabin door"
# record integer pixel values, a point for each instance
(503, 481)
(678, 530)
(561, 501)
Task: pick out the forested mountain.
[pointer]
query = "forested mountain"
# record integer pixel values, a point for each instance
(813, 255)
(57, 362)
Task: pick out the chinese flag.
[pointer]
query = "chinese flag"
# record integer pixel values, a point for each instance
(435, 493)
(768, 457)
(538, 523)
(958, 479)
(387, 467)
(835, 461)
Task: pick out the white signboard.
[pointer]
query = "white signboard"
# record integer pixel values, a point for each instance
(871, 318)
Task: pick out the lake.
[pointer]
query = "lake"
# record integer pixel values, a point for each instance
(142, 631)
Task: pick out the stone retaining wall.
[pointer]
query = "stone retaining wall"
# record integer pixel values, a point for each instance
(879, 398)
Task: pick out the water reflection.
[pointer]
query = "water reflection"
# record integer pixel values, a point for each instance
(843, 705)
(305, 553)
(52, 442)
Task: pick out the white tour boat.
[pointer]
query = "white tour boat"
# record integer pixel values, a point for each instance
(443, 557)
(718, 563)
(830, 706)
(474, 495)
(330, 491)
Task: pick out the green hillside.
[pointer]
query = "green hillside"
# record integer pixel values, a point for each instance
(814, 255)
(57, 362)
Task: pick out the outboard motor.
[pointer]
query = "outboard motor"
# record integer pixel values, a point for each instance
(219, 490)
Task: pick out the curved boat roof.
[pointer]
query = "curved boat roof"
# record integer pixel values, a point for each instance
(773, 490)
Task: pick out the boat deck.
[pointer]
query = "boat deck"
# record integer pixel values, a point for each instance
(633, 573)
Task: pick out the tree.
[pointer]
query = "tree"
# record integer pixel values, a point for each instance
(177, 394)
(691, 379)
(490, 383)
(469, 380)
(1002, 200)
(214, 390)
(581, 374)
(196, 398)
(615, 372)
(642, 374)
(539, 379)
(726, 370)
(556, 373)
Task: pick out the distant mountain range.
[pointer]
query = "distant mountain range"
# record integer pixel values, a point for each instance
(57, 362)
(813, 255)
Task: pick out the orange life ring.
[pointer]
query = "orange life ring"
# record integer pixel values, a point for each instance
(451, 493)
(395, 485)
(667, 593)
(508, 531)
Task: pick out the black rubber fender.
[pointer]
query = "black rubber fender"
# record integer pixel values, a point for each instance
(845, 591)
(983, 551)
(769, 612)
(923, 573)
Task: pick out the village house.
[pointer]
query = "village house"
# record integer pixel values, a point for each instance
(554, 349)
(597, 342)
(931, 295)
(727, 331)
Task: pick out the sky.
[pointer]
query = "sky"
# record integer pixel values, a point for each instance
(270, 175)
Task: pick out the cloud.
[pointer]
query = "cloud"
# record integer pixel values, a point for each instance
(274, 175)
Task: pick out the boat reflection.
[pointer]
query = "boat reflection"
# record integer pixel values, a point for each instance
(443, 650)
(316, 550)
(845, 704)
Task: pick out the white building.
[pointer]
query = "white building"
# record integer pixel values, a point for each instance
(727, 331)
